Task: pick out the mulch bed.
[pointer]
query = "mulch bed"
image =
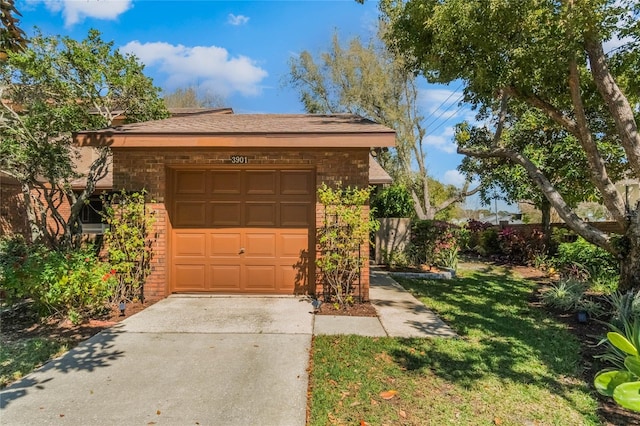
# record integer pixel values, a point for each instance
(364, 309)
(19, 324)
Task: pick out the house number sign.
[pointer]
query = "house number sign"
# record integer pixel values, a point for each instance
(239, 159)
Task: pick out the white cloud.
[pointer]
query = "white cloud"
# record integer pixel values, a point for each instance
(443, 141)
(237, 19)
(210, 67)
(75, 11)
(453, 177)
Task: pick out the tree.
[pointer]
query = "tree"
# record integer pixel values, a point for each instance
(190, 98)
(12, 38)
(366, 80)
(546, 55)
(58, 85)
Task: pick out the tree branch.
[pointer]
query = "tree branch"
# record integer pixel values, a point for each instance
(616, 101)
(581, 227)
(597, 166)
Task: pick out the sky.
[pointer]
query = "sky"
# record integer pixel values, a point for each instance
(241, 50)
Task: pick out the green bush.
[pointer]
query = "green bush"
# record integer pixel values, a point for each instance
(489, 242)
(588, 262)
(75, 284)
(344, 230)
(128, 243)
(436, 243)
(392, 201)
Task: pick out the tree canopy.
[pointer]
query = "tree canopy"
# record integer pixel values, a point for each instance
(55, 86)
(365, 79)
(543, 59)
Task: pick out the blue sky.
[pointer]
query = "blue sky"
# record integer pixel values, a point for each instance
(241, 50)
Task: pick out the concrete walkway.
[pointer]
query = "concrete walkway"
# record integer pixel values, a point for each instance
(399, 315)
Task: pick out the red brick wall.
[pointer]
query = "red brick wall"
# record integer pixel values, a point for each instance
(135, 169)
(13, 218)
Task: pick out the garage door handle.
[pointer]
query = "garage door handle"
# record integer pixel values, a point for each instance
(242, 250)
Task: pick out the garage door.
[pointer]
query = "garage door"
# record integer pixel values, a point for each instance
(241, 231)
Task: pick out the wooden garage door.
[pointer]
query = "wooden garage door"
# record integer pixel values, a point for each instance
(241, 231)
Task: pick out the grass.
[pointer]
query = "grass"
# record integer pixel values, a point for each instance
(513, 364)
(20, 357)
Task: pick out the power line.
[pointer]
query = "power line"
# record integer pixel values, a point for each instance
(455, 92)
(445, 111)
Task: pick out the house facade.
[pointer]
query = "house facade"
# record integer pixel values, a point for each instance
(235, 195)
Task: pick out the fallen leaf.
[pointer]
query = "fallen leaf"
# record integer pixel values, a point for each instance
(497, 421)
(402, 414)
(354, 403)
(388, 394)
(158, 412)
(61, 415)
(363, 423)
(374, 402)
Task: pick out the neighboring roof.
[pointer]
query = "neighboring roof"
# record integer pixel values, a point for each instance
(233, 130)
(377, 175)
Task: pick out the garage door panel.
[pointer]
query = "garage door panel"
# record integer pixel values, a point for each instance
(190, 245)
(260, 245)
(294, 245)
(261, 182)
(225, 245)
(226, 182)
(225, 278)
(296, 182)
(189, 277)
(190, 182)
(190, 214)
(226, 213)
(249, 232)
(260, 277)
(292, 279)
(260, 214)
(295, 214)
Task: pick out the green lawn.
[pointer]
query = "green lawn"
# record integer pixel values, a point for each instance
(513, 364)
(20, 357)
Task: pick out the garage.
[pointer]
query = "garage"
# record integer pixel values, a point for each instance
(241, 231)
(234, 196)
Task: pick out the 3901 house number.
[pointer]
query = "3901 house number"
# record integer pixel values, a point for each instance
(239, 159)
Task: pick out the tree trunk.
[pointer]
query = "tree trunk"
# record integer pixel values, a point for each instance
(630, 256)
(545, 208)
(32, 217)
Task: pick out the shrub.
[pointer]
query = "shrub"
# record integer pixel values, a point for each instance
(587, 262)
(75, 284)
(489, 242)
(128, 243)
(345, 229)
(522, 246)
(392, 201)
(436, 243)
(475, 229)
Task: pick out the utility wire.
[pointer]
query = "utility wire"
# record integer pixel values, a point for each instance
(444, 102)
(446, 111)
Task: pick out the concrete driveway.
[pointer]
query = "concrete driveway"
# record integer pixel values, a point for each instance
(182, 361)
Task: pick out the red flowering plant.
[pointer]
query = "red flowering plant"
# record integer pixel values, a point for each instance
(436, 243)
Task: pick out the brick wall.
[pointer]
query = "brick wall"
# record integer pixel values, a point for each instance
(135, 169)
(13, 218)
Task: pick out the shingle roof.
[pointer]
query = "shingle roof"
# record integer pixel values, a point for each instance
(221, 124)
(377, 175)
